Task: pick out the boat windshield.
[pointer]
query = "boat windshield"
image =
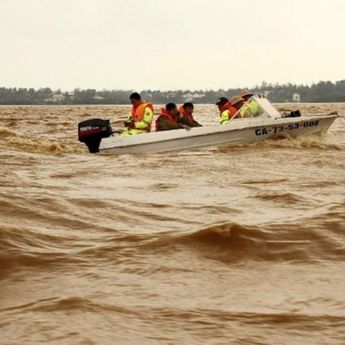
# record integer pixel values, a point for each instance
(258, 107)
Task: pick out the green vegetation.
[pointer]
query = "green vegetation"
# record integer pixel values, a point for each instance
(320, 92)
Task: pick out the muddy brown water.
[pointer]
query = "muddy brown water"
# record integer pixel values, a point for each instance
(227, 245)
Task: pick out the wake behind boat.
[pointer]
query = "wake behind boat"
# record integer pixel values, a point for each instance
(266, 123)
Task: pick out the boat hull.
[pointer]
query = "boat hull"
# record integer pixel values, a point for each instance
(237, 132)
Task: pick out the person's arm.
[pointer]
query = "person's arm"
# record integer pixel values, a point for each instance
(256, 108)
(129, 123)
(245, 110)
(166, 125)
(184, 121)
(196, 124)
(224, 117)
(251, 109)
(147, 121)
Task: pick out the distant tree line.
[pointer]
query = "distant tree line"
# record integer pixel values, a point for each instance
(324, 91)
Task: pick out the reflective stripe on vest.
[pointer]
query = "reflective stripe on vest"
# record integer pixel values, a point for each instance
(230, 107)
(138, 112)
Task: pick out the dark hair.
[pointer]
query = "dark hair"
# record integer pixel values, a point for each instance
(135, 96)
(188, 104)
(170, 106)
(221, 101)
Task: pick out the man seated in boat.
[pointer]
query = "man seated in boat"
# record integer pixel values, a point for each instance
(251, 108)
(141, 116)
(186, 115)
(237, 102)
(226, 110)
(246, 95)
(169, 119)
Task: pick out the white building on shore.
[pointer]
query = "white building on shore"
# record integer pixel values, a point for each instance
(296, 98)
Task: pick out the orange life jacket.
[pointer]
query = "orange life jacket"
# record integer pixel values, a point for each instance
(165, 114)
(138, 112)
(230, 107)
(189, 117)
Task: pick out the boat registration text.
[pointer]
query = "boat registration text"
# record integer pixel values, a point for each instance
(284, 128)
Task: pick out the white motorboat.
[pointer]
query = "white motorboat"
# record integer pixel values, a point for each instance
(266, 123)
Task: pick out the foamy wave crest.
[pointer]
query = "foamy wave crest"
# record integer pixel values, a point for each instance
(11, 140)
(6, 132)
(312, 141)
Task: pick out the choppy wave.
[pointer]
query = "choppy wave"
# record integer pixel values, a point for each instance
(311, 240)
(316, 239)
(10, 140)
(6, 132)
(302, 142)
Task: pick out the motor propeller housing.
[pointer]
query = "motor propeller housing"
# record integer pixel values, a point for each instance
(91, 132)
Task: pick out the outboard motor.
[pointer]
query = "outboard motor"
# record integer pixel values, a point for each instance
(91, 132)
(295, 113)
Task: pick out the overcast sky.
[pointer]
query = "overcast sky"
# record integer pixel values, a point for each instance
(170, 44)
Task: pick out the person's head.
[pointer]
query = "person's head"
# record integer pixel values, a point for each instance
(171, 108)
(237, 102)
(188, 107)
(221, 101)
(135, 99)
(246, 95)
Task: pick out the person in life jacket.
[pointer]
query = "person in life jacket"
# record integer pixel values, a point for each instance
(186, 115)
(251, 108)
(141, 116)
(169, 119)
(246, 95)
(226, 110)
(237, 102)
